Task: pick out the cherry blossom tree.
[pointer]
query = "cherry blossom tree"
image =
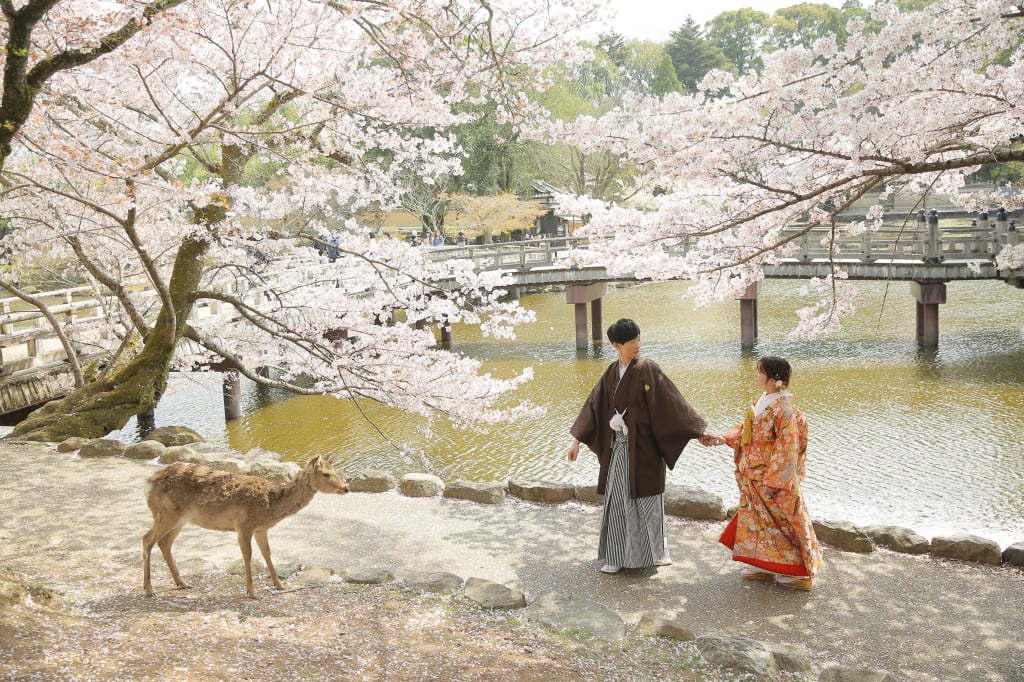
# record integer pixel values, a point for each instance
(914, 102)
(185, 165)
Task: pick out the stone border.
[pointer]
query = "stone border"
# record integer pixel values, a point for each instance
(680, 501)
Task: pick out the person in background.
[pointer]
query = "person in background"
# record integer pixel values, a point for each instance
(771, 532)
(637, 423)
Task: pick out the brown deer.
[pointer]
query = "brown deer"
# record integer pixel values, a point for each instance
(248, 505)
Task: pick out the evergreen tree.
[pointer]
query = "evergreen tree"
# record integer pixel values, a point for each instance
(693, 55)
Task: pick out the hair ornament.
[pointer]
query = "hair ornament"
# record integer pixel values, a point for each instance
(779, 383)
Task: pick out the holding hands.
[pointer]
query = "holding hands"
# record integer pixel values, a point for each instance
(708, 440)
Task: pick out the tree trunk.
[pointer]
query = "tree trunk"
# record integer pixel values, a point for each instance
(107, 404)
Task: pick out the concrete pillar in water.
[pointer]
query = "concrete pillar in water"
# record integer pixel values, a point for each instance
(579, 297)
(748, 316)
(929, 296)
(232, 383)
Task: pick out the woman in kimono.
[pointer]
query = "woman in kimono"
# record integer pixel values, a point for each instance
(637, 423)
(771, 532)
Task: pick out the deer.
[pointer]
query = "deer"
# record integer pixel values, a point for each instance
(182, 493)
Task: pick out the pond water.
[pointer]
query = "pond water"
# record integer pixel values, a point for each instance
(927, 439)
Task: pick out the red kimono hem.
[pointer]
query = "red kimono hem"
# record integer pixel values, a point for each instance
(728, 538)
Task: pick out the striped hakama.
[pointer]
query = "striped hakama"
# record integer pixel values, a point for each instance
(632, 531)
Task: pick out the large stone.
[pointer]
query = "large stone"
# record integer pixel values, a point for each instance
(421, 485)
(693, 503)
(437, 581)
(848, 674)
(966, 547)
(788, 660)
(367, 576)
(144, 449)
(484, 492)
(177, 453)
(232, 465)
(252, 455)
(739, 654)
(372, 482)
(174, 435)
(588, 494)
(1014, 554)
(492, 595)
(652, 626)
(567, 612)
(548, 492)
(843, 535)
(276, 472)
(102, 447)
(898, 539)
(71, 444)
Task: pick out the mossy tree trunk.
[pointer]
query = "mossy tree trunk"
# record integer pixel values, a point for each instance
(108, 403)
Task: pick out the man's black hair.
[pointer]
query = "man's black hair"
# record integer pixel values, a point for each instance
(623, 331)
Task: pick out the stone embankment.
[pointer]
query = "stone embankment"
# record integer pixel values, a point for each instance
(762, 659)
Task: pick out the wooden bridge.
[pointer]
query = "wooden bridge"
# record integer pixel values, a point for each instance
(34, 368)
(925, 254)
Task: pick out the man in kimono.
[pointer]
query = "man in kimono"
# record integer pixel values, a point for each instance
(637, 423)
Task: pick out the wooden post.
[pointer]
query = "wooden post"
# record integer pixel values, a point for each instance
(933, 245)
(748, 316)
(580, 296)
(929, 296)
(595, 316)
(1000, 226)
(581, 326)
(232, 384)
(446, 333)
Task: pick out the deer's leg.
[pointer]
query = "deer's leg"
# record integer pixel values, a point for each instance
(162, 525)
(245, 543)
(264, 545)
(165, 548)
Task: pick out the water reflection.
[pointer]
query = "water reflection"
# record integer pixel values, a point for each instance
(928, 439)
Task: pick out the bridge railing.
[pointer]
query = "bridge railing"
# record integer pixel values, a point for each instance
(922, 240)
(26, 337)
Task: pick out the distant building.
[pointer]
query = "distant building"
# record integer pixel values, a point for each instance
(551, 224)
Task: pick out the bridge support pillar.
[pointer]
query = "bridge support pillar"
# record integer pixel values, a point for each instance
(929, 296)
(580, 296)
(748, 316)
(446, 333)
(595, 317)
(232, 384)
(513, 292)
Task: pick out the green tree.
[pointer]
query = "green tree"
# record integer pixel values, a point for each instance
(648, 70)
(693, 55)
(805, 23)
(741, 36)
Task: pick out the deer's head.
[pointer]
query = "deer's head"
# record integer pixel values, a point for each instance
(324, 478)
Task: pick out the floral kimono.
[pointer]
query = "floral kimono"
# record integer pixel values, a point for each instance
(771, 529)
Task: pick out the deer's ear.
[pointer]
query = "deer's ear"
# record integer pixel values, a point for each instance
(314, 463)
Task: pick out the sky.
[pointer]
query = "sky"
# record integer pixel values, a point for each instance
(656, 19)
